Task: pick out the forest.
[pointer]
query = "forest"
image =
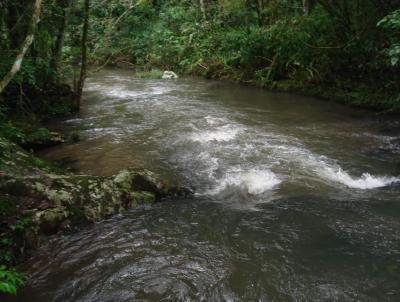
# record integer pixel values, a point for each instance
(345, 52)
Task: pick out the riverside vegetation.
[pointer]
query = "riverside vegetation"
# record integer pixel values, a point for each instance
(348, 50)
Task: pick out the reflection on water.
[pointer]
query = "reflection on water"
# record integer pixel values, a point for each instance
(296, 199)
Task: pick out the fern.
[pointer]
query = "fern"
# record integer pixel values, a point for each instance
(10, 280)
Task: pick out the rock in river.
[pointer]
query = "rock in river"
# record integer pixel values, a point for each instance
(169, 75)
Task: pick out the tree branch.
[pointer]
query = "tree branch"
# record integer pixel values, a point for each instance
(24, 47)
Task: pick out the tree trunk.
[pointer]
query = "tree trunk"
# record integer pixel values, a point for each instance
(307, 6)
(3, 26)
(203, 10)
(82, 76)
(61, 35)
(260, 13)
(24, 47)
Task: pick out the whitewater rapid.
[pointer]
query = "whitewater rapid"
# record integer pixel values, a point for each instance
(218, 148)
(223, 145)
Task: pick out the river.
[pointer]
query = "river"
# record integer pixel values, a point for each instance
(296, 199)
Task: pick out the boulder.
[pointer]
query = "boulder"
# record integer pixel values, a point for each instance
(169, 75)
(50, 198)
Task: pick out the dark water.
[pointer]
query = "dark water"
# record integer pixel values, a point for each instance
(296, 199)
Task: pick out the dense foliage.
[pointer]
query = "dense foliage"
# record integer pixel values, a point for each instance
(352, 46)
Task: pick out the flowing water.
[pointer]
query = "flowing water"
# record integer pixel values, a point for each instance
(296, 199)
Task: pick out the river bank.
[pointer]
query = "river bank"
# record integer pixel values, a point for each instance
(354, 94)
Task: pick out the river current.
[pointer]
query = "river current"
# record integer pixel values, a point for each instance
(296, 199)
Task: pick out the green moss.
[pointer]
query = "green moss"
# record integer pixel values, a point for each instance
(39, 187)
(124, 179)
(52, 216)
(143, 197)
(59, 197)
(92, 213)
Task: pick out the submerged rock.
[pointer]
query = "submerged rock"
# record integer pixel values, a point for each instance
(169, 75)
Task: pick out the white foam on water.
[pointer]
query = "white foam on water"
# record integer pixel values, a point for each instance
(210, 163)
(211, 120)
(236, 156)
(327, 169)
(254, 182)
(222, 134)
(157, 90)
(121, 91)
(257, 182)
(115, 91)
(364, 182)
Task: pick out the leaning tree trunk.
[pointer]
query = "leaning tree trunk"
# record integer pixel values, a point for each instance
(82, 76)
(24, 47)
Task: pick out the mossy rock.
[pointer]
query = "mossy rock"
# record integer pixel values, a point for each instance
(50, 220)
(56, 199)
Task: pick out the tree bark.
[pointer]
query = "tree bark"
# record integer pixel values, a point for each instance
(307, 6)
(203, 10)
(24, 47)
(260, 12)
(82, 76)
(61, 35)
